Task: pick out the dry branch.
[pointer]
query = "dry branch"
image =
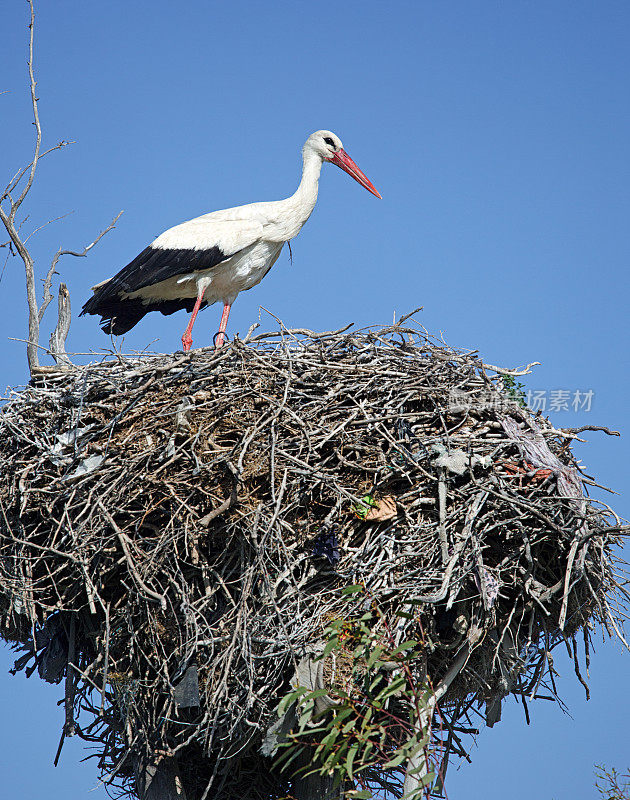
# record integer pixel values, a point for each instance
(8, 218)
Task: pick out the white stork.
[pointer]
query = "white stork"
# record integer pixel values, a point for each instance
(217, 255)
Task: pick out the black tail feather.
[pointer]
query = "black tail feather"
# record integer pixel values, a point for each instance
(120, 315)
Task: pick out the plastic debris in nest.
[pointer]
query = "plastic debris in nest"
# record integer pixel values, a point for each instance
(327, 546)
(186, 693)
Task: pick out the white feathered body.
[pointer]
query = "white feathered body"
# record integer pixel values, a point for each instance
(255, 233)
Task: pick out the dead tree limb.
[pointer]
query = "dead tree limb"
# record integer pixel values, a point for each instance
(8, 216)
(52, 270)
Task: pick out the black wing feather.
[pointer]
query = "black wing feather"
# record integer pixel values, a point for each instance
(153, 265)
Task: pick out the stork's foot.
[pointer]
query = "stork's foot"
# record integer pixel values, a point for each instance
(219, 339)
(186, 342)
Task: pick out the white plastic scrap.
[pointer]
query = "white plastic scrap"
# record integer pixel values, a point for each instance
(86, 466)
(182, 412)
(458, 461)
(67, 439)
(70, 437)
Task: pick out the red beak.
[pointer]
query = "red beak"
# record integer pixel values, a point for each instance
(344, 162)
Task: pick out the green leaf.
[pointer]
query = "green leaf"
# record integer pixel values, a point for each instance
(284, 704)
(428, 778)
(342, 714)
(363, 506)
(396, 686)
(356, 587)
(348, 727)
(317, 693)
(412, 752)
(350, 758)
(285, 753)
(411, 743)
(357, 653)
(292, 758)
(418, 769)
(376, 653)
(396, 761)
(425, 697)
(309, 770)
(331, 644)
(409, 645)
(379, 679)
(327, 742)
(334, 626)
(291, 698)
(359, 794)
(306, 716)
(333, 758)
(424, 741)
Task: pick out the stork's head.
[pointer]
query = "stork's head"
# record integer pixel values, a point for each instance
(328, 147)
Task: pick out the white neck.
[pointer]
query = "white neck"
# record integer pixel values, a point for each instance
(299, 207)
(306, 193)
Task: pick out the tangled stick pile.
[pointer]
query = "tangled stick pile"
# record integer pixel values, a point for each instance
(176, 532)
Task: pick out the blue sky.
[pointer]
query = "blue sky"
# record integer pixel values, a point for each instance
(498, 135)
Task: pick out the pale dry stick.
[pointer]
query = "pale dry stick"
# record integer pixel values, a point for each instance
(417, 767)
(6, 195)
(8, 218)
(442, 509)
(160, 598)
(57, 341)
(514, 372)
(300, 332)
(58, 338)
(106, 659)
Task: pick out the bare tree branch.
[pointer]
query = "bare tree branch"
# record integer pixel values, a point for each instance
(58, 337)
(8, 218)
(33, 321)
(45, 224)
(53, 267)
(38, 127)
(21, 172)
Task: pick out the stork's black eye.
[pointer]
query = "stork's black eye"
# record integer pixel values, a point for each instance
(329, 141)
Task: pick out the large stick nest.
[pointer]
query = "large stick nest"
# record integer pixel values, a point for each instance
(174, 523)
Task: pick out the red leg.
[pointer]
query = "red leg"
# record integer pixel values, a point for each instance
(187, 337)
(220, 337)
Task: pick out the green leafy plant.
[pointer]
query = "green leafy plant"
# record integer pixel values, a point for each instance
(362, 508)
(515, 389)
(375, 719)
